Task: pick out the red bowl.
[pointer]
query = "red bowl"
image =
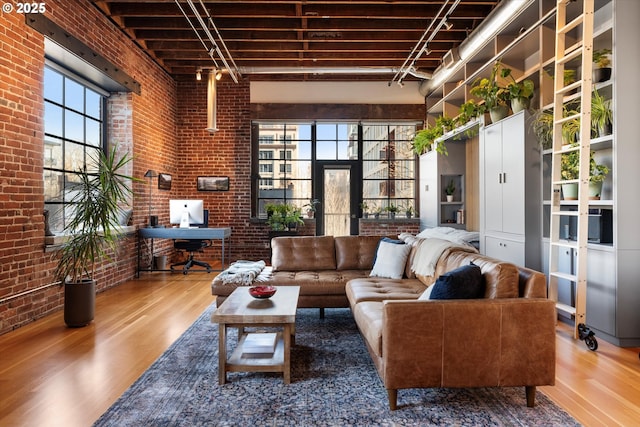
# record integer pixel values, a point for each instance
(262, 291)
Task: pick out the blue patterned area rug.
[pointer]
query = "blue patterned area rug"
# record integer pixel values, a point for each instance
(333, 383)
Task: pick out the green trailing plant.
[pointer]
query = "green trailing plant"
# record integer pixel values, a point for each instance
(424, 140)
(98, 200)
(445, 123)
(602, 58)
(570, 128)
(468, 111)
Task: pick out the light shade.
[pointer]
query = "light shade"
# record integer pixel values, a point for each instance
(151, 174)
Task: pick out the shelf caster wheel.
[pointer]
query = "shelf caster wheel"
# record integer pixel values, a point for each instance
(588, 336)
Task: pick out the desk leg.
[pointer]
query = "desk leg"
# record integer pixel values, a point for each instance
(222, 353)
(287, 353)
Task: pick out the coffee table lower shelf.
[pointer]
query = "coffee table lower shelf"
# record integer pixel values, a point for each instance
(238, 361)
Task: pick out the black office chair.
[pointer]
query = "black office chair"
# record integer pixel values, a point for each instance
(192, 246)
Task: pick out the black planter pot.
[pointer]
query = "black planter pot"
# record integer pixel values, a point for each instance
(601, 74)
(79, 303)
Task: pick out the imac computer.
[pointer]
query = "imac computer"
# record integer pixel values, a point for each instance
(186, 212)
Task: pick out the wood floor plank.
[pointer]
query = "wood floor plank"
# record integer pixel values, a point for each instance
(51, 375)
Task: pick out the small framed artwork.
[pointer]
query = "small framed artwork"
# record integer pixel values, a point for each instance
(213, 183)
(164, 181)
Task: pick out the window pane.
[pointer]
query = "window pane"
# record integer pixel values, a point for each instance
(93, 156)
(73, 126)
(304, 150)
(302, 169)
(375, 170)
(73, 95)
(73, 156)
(94, 104)
(93, 132)
(401, 169)
(53, 186)
(326, 150)
(52, 119)
(326, 132)
(52, 86)
(53, 153)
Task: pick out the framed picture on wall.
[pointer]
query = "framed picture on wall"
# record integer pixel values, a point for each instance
(164, 181)
(213, 183)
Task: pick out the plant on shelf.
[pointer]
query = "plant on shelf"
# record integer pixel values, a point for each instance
(365, 209)
(424, 140)
(542, 128)
(494, 95)
(570, 170)
(602, 59)
(520, 93)
(312, 207)
(284, 217)
(409, 211)
(601, 114)
(445, 123)
(449, 190)
(97, 201)
(468, 111)
(392, 209)
(570, 128)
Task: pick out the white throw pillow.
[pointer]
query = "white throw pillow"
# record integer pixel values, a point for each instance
(390, 260)
(426, 294)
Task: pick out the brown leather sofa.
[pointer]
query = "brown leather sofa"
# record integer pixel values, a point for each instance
(320, 265)
(504, 339)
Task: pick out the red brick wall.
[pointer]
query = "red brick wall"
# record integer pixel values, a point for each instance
(381, 227)
(144, 123)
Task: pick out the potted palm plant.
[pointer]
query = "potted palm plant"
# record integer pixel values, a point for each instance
(94, 232)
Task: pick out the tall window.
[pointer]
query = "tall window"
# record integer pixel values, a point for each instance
(286, 154)
(73, 128)
(284, 164)
(388, 166)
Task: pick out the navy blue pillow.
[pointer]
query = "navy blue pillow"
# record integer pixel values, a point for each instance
(464, 282)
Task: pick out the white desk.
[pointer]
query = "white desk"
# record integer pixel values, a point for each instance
(222, 234)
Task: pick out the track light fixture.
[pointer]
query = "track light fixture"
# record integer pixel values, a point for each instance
(198, 74)
(218, 74)
(448, 25)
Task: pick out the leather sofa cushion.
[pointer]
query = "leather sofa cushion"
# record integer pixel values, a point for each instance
(356, 252)
(368, 316)
(301, 253)
(380, 289)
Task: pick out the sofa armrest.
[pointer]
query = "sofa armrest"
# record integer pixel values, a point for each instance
(468, 343)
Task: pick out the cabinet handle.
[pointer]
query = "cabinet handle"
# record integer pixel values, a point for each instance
(500, 178)
(504, 177)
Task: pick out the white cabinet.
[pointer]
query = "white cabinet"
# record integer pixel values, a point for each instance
(510, 192)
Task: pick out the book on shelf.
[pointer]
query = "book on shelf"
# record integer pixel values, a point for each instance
(259, 343)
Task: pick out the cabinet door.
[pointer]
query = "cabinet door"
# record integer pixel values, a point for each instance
(429, 190)
(513, 189)
(492, 177)
(505, 250)
(601, 291)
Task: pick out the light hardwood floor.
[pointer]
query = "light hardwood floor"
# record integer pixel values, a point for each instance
(54, 376)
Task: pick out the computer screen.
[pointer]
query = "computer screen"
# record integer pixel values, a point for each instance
(186, 212)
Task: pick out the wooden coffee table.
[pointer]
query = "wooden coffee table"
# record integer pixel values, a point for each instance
(241, 310)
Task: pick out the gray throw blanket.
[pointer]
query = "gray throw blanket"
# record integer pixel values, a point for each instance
(241, 272)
